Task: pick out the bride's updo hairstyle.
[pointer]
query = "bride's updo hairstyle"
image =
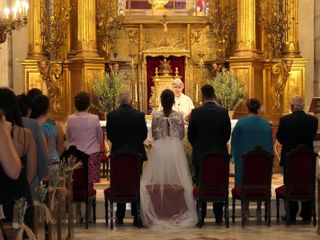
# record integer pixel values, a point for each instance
(167, 101)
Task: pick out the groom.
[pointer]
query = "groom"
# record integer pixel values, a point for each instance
(209, 126)
(126, 126)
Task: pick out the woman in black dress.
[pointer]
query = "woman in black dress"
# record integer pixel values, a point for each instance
(12, 190)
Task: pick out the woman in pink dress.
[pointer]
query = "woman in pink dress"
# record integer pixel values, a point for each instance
(84, 132)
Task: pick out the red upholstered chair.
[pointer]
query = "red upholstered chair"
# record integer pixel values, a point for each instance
(299, 180)
(81, 190)
(124, 181)
(213, 181)
(104, 158)
(256, 182)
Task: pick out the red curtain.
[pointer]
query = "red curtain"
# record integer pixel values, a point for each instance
(153, 62)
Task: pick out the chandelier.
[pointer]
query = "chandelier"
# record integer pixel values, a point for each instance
(158, 4)
(13, 19)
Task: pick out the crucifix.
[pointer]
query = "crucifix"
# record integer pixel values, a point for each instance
(164, 22)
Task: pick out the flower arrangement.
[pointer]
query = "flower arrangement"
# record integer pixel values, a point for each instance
(228, 90)
(106, 92)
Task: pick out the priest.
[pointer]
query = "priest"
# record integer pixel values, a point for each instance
(182, 102)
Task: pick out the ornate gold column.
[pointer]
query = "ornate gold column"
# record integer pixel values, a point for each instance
(86, 65)
(86, 44)
(36, 50)
(246, 29)
(246, 63)
(291, 47)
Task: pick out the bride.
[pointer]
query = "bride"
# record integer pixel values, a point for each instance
(166, 187)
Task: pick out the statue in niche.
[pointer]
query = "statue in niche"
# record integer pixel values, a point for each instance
(165, 67)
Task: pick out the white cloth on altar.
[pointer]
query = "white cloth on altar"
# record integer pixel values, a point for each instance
(166, 187)
(183, 104)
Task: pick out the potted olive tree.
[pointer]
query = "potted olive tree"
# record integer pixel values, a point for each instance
(228, 90)
(106, 92)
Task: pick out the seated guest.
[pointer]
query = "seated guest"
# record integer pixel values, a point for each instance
(249, 132)
(42, 154)
(126, 127)
(84, 132)
(182, 103)
(26, 149)
(51, 131)
(294, 129)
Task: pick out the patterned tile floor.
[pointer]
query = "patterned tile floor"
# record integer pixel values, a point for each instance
(208, 232)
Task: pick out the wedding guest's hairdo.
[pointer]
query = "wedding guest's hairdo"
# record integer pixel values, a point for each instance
(25, 104)
(167, 101)
(82, 101)
(33, 93)
(253, 105)
(40, 106)
(10, 106)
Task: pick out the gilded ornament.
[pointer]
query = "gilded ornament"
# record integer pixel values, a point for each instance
(276, 26)
(51, 73)
(280, 75)
(54, 22)
(223, 20)
(109, 25)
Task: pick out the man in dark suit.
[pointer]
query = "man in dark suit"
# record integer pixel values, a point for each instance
(209, 126)
(294, 129)
(127, 127)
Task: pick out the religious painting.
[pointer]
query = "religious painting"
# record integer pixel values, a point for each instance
(202, 7)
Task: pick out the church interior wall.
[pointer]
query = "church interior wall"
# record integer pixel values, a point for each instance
(316, 47)
(309, 25)
(20, 50)
(306, 36)
(4, 65)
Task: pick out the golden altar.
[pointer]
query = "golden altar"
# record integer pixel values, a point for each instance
(86, 36)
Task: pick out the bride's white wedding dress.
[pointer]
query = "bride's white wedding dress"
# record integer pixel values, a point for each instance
(166, 186)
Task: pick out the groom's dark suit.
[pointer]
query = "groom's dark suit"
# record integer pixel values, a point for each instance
(209, 126)
(126, 127)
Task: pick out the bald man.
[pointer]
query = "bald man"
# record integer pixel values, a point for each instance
(127, 126)
(294, 129)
